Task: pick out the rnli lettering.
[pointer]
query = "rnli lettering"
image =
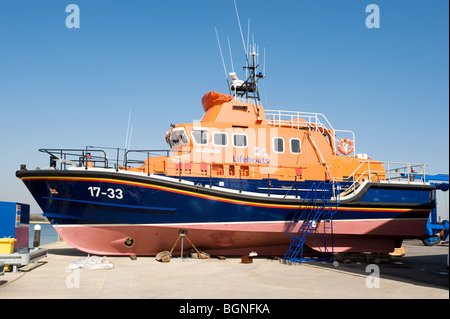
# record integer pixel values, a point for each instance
(248, 159)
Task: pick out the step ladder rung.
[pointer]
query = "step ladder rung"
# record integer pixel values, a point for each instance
(316, 209)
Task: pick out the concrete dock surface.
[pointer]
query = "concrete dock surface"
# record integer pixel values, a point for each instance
(421, 274)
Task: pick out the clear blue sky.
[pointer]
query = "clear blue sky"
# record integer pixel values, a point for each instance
(70, 88)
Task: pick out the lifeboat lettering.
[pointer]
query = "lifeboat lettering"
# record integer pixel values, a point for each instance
(248, 159)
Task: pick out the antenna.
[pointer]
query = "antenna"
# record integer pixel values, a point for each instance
(129, 133)
(249, 87)
(253, 41)
(264, 61)
(221, 55)
(264, 72)
(129, 141)
(128, 129)
(231, 56)
(223, 61)
(257, 54)
(248, 49)
(240, 28)
(248, 35)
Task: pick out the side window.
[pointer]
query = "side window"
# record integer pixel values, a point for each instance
(200, 137)
(295, 145)
(184, 138)
(177, 136)
(278, 145)
(220, 139)
(174, 139)
(239, 140)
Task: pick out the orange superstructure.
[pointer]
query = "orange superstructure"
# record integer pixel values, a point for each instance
(236, 139)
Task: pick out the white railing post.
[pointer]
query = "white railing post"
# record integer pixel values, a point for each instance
(408, 171)
(389, 172)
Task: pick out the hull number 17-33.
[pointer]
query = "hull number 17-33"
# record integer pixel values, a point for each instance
(110, 192)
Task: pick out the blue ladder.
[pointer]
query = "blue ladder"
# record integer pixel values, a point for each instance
(316, 208)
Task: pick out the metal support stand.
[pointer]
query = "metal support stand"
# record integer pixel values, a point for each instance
(17, 259)
(182, 234)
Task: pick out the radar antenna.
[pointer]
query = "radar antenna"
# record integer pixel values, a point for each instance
(249, 88)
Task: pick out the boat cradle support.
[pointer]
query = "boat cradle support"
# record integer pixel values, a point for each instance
(22, 259)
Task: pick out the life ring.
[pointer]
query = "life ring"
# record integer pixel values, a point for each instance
(345, 146)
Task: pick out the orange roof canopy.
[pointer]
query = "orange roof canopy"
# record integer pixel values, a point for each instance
(213, 98)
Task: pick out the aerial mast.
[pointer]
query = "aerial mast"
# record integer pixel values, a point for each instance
(247, 89)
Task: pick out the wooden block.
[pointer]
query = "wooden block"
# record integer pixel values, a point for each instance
(246, 259)
(163, 256)
(398, 252)
(165, 259)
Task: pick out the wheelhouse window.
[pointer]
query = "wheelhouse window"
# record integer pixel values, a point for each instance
(183, 137)
(278, 145)
(200, 137)
(295, 145)
(220, 139)
(176, 137)
(240, 107)
(239, 140)
(173, 139)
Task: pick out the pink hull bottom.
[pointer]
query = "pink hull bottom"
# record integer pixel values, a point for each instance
(235, 239)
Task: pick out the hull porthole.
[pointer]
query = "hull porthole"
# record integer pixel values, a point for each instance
(129, 242)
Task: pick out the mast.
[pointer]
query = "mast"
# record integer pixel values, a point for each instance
(249, 87)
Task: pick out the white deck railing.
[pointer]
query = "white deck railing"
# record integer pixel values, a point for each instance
(393, 171)
(297, 120)
(302, 120)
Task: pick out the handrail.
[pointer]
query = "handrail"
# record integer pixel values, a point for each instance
(335, 141)
(79, 157)
(303, 120)
(91, 157)
(280, 117)
(400, 171)
(146, 152)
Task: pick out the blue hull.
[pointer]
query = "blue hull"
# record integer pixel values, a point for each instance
(114, 198)
(109, 198)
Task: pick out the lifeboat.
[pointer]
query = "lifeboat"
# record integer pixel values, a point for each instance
(233, 182)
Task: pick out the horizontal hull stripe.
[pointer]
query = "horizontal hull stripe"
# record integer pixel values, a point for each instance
(178, 191)
(170, 210)
(227, 223)
(211, 197)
